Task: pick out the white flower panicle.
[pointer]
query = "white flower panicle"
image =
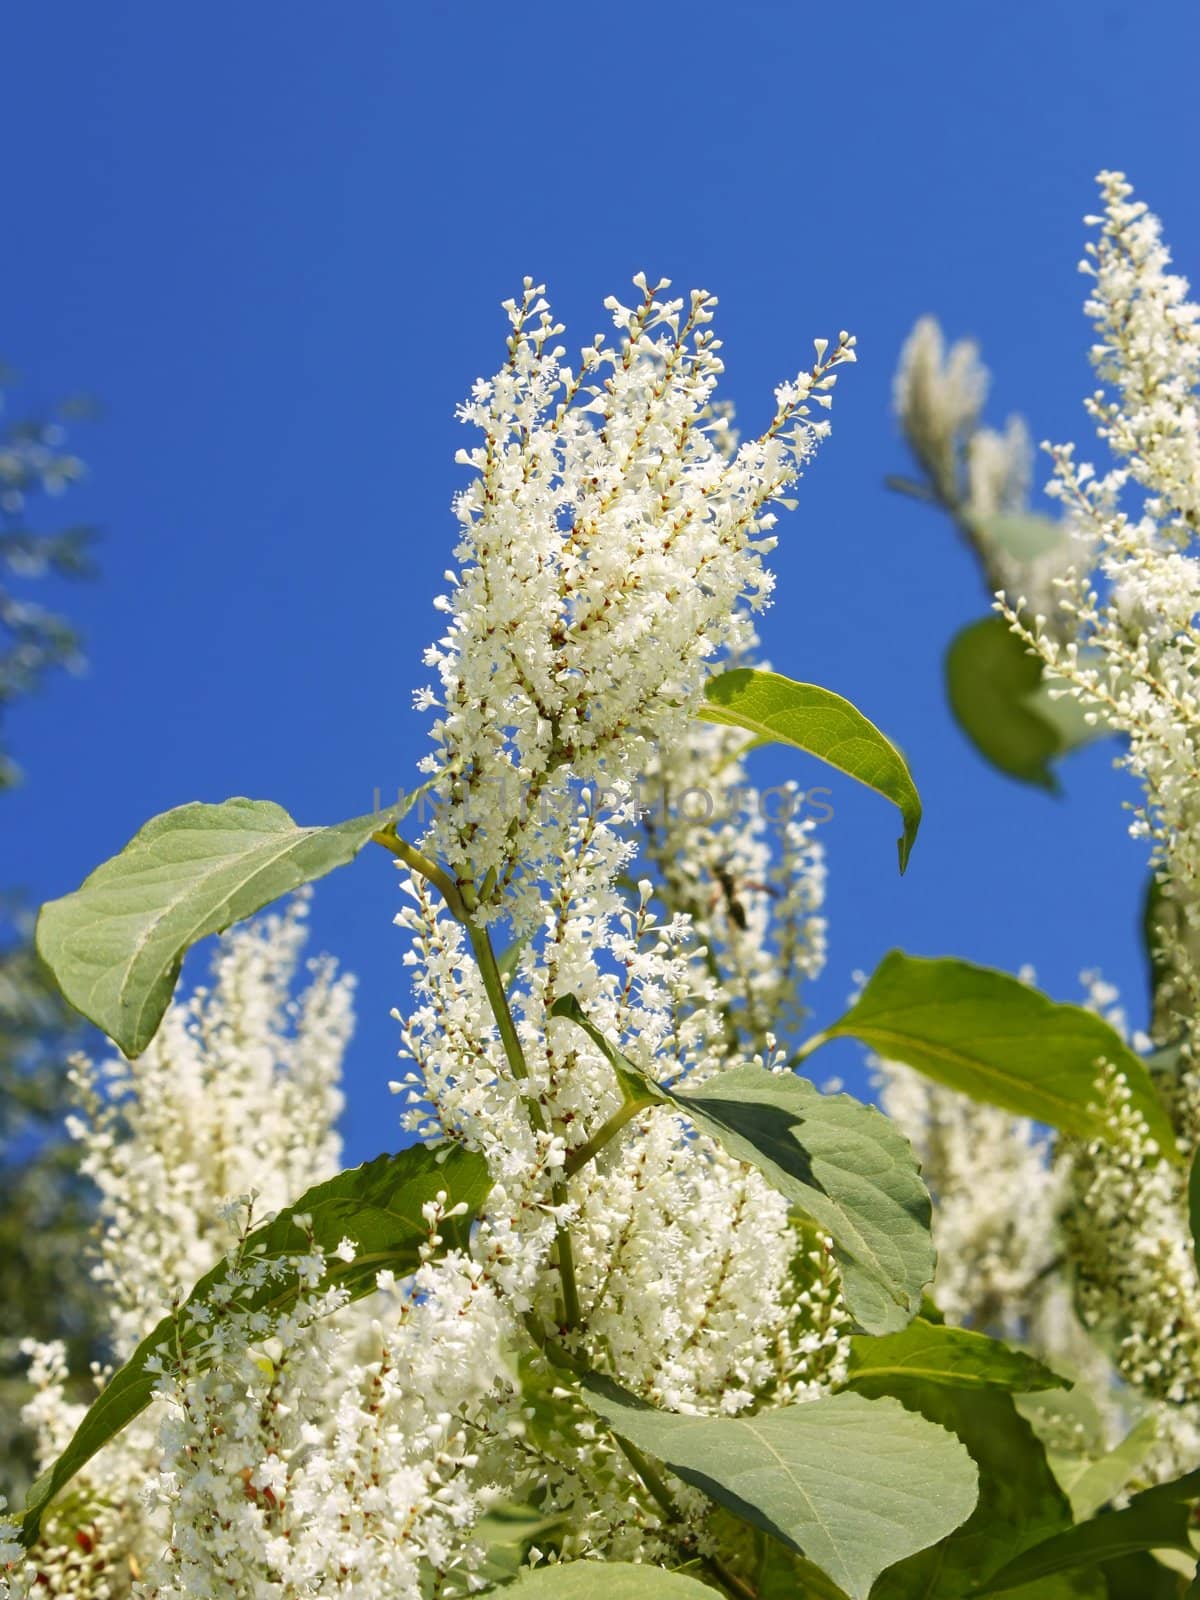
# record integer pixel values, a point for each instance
(1132, 1248)
(612, 545)
(980, 476)
(1132, 659)
(608, 534)
(747, 871)
(598, 549)
(237, 1093)
(939, 395)
(996, 1201)
(312, 1453)
(1123, 643)
(1148, 355)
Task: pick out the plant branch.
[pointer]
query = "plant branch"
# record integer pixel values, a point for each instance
(438, 876)
(604, 1134)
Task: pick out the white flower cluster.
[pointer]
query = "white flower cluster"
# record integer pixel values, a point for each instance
(237, 1093)
(1132, 1248)
(746, 869)
(611, 542)
(980, 476)
(309, 1453)
(608, 534)
(996, 1201)
(1123, 643)
(682, 1259)
(1132, 659)
(939, 395)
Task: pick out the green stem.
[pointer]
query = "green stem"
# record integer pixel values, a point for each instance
(582, 1154)
(438, 876)
(493, 983)
(806, 1049)
(735, 1585)
(652, 1478)
(566, 1264)
(918, 491)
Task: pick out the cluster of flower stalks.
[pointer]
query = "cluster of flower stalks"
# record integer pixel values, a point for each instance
(428, 1439)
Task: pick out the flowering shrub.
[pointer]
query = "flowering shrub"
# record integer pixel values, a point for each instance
(642, 1310)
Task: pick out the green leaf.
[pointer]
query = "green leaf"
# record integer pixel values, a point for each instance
(605, 1580)
(1091, 1482)
(1019, 1499)
(117, 944)
(506, 1533)
(1158, 1519)
(852, 1484)
(936, 1353)
(377, 1205)
(1141, 1577)
(785, 1575)
(996, 1039)
(841, 1163)
(992, 685)
(824, 724)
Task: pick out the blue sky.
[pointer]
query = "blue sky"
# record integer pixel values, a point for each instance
(272, 240)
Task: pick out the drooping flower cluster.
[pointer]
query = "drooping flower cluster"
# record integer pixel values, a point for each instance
(609, 534)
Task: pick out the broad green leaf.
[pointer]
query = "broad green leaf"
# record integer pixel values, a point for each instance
(852, 1484)
(117, 943)
(377, 1205)
(605, 1580)
(1158, 1519)
(1019, 1501)
(996, 1039)
(1091, 1482)
(841, 1163)
(936, 1353)
(992, 685)
(775, 709)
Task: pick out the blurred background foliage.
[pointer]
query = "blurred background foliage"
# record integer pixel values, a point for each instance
(44, 1200)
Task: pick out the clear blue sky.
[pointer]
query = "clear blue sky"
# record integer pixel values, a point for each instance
(272, 239)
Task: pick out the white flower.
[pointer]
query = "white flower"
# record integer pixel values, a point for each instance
(607, 539)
